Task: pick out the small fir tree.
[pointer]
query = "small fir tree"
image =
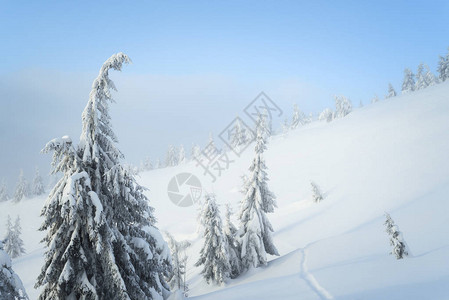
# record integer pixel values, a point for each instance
(38, 185)
(391, 91)
(400, 249)
(181, 155)
(430, 78)
(343, 106)
(177, 276)
(14, 243)
(214, 256)
(420, 78)
(326, 115)
(3, 191)
(408, 85)
(21, 188)
(443, 67)
(234, 248)
(317, 195)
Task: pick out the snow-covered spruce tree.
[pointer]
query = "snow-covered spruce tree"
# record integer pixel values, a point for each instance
(147, 165)
(18, 242)
(343, 106)
(421, 82)
(11, 287)
(9, 237)
(214, 253)
(264, 126)
(13, 242)
(3, 191)
(326, 115)
(400, 248)
(391, 91)
(255, 230)
(429, 77)
(181, 155)
(374, 99)
(408, 85)
(239, 136)
(317, 195)
(443, 68)
(298, 117)
(177, 276)
(101, 240)
(38, 185)
(171, 158)
(21, 188)
(234, 248)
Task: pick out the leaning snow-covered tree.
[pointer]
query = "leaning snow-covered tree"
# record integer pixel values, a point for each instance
(400, 248)
(3, 191)
(391, 91)
(38, 185)
(214, 253)
(317, 195)
(343, 106)
(177, 276)
(21, 188)
(101, 239)
(11, 287)
(408, 85)
(375, 99)
(255, 230)
(234, 249)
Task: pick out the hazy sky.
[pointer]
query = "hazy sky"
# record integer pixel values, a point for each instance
(196, 64)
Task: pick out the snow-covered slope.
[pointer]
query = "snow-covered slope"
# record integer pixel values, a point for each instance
(390, 156)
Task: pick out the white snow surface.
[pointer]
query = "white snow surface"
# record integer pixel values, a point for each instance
(391, 156)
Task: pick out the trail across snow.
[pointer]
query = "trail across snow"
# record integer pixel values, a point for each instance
(310, 279)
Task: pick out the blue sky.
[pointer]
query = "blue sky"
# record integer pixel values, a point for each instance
(196, 64)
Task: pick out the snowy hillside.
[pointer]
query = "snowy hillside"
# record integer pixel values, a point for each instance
(387, 157)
